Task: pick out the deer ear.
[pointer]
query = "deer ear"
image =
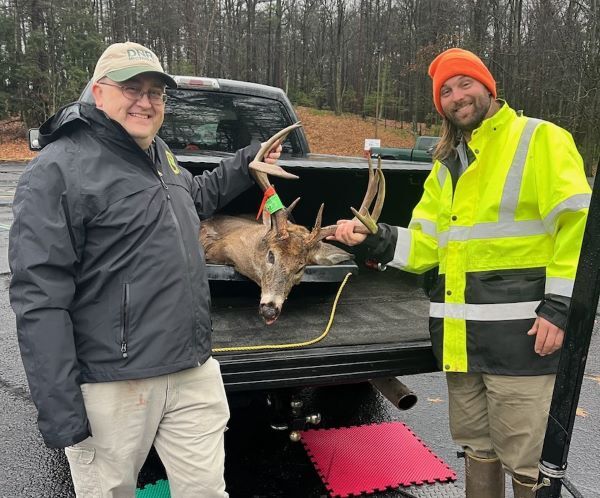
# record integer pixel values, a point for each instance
(266, 218)
(327, 254)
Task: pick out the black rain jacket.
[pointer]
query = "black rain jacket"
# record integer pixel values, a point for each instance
(108, 275)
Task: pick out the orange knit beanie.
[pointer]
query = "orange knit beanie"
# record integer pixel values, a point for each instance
(454, 62)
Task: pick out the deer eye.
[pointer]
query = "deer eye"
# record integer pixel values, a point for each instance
(271, 257)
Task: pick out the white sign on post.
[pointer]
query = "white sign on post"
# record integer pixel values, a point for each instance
(371, 142)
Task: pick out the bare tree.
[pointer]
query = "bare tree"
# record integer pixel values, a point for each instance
(320, 51)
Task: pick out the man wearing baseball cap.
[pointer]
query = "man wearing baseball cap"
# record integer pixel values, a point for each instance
(110, 290)
(502, 218)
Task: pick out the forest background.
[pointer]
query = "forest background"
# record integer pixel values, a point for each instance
(367, 57)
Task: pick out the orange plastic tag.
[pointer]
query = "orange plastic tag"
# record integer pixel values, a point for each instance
(268, 193)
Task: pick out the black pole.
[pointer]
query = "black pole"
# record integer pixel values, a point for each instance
(571, 367)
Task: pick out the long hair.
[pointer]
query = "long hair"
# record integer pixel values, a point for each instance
(446, 147)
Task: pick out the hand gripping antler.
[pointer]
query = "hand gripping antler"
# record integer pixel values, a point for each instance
(260, 171)
(375, 187)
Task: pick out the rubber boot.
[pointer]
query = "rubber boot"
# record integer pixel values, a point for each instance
(522, 489)
(484, 477)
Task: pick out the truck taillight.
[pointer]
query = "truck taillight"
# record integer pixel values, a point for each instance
(196, 82)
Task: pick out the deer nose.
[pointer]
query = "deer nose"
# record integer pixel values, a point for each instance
(269, 312)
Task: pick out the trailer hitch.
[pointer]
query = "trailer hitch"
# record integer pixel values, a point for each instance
(286, 412)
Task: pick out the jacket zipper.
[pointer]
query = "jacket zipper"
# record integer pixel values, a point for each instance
(165, 186)
(124, 320)
(158, 173)
(181, 247)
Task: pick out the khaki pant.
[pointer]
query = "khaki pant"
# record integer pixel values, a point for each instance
(500, 415)
(182, 414)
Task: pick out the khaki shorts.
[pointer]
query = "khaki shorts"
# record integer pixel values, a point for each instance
(500, 415)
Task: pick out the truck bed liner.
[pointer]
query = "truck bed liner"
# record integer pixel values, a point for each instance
(379, 330)
(371, 304)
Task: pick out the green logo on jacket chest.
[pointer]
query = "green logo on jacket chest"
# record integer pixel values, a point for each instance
(172, 162)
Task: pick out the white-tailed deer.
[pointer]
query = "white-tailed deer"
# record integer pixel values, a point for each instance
(274, 254)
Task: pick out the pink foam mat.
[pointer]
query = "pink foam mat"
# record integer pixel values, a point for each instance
(369, 458)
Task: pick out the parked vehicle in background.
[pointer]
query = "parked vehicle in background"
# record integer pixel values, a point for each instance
(422, 151)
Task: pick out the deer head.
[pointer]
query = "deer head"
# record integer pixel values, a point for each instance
(274, 254)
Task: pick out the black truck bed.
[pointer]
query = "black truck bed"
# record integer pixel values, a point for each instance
(370, 305)
(379, 329)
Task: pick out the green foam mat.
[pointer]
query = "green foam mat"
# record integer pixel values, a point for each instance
(160, 489)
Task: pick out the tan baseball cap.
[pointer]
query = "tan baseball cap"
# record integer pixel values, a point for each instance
(122, 61)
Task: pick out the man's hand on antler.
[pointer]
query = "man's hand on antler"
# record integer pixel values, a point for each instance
(345, 233)
(272, 155)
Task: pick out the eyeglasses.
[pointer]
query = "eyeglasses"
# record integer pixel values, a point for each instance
(136, 93)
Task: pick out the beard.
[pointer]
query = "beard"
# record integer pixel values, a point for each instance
(470, 113)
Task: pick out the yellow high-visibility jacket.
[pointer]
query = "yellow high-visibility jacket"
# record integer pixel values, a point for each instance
(505, 234)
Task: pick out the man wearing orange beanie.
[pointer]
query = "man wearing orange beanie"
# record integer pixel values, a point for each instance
(502, 218)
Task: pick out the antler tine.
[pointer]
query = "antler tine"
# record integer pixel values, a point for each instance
(260, 169)
(371, 189)
(316, 232)
(291, 207)
(281, 134)
(319, 219)
(369, 221)
(380, 192)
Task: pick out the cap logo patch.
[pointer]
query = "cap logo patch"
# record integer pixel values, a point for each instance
(137, 55)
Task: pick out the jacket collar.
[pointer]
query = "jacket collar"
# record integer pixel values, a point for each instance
(61, 122)
(503, 117)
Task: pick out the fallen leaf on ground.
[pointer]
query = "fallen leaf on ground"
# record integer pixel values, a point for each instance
(581, 412)
(595, 378)
(345, 135)
(15, 150)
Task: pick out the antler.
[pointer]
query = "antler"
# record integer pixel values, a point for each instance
(375, 187)
(260, 171)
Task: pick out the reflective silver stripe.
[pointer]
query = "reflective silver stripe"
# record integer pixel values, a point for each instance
(573, 203)
(443, 238)
(428, 227)
(507, 229)
(402, 250)
(560, 286)
(442, 174)
(512, 185)
(492, 230)
(484, 312)
(457, 233)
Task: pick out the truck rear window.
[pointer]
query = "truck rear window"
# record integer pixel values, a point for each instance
(222, 122)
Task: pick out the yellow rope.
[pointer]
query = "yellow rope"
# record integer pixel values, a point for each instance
(296, 345)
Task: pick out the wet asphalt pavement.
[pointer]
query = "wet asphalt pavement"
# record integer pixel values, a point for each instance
(260, 462)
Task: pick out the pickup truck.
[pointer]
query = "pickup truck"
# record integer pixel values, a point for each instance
(379, 328)
(422, 151)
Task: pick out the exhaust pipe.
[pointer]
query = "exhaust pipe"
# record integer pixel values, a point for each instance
(395, 391)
